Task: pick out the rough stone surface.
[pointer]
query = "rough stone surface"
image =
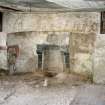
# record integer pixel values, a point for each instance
(3, 53)
(84, 58)
(69, 22)
(83, 63)
(72, 22)
(81, 49)
(99, 60)
(55, 61)
(28, 41)
(99, 57)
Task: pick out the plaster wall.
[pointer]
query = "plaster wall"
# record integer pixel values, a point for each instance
(85, 56)
(85, 22)
(99, 57)
(28, 41)
(3, 52)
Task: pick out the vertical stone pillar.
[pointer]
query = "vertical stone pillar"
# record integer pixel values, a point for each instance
(42, 60)
(3, 51)
(99, 60)
(71, 51)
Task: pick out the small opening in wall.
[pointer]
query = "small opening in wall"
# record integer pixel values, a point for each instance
(1, 16)
(39, 60)
(66, 59)
(102, 23)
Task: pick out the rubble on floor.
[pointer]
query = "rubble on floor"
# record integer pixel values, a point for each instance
(27, 89)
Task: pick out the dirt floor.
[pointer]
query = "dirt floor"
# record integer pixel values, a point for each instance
(63, 89)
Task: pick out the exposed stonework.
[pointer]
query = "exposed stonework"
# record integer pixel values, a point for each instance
(72, 22)
(3, 51)
(28, 41)
(99, 57)
(99, 60)
(81, 48)
(83, 26)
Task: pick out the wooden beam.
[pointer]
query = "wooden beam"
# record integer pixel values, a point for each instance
(4, 8)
